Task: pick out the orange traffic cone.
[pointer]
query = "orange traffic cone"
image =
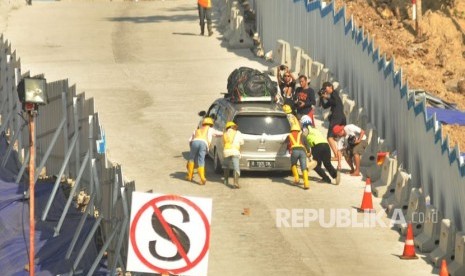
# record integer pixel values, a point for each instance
(367, 202)
(444, 271)
(409, 248)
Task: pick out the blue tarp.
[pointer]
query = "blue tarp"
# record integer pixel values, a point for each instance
(50, 251)
(447, 116)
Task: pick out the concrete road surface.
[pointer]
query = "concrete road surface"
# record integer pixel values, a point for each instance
(150, 73)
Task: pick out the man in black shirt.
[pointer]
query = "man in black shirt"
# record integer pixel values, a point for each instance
(305, 99)
(331, 99)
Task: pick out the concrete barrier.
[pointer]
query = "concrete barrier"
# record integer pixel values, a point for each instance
(246, 5)
(399, 200)
(415, 212)
(391, 188)
(344, 96)
(428, 239)
(225, 11)
(296, 57)
(374, 172)
(221, 4)
(315, 75)
(281, 56)
(324, 76)
(383, 146)
(362, 118)
(445, 250)
(325, 115)
(306, 65)
(457, 267)
(353, 115)
(349, 106)
(239, 37)
(388, 171)
(232, 20)
(371, 151)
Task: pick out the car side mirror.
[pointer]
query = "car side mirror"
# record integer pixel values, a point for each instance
(202, 113)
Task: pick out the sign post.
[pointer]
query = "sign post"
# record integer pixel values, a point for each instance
(32, 92)
(32, 158)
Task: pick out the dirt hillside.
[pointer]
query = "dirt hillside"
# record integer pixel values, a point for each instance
(433, 61)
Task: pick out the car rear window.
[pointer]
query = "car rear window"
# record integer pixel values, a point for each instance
(259, 124)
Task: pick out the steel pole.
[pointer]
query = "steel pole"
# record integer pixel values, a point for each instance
(31, 192)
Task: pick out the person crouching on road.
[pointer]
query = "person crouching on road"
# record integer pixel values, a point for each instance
(298, 147)
(352, 142)
(199, 143)
(232, 142)
(319, 150)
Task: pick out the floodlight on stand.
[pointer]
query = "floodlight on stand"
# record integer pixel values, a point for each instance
(32, 92)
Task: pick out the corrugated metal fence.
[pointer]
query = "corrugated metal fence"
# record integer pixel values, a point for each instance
(375, 83)
(67, 134)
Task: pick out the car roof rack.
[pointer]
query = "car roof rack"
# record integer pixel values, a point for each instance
(256, 99)
(259, 99)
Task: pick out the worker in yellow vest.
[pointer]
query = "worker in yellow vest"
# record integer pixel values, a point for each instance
(205, 12)
(298, 148)
(232, 142)
(199, 144)
(320, 150)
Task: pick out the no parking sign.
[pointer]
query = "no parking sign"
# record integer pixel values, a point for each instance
(169, 234)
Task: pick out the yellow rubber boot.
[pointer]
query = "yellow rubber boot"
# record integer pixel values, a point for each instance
(190, 170)
(201, 171)
(305, 177)
(295, 173)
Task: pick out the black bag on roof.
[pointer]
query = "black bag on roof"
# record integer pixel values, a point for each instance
(246, 82)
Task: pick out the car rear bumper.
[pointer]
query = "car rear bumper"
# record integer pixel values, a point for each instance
(265, 163)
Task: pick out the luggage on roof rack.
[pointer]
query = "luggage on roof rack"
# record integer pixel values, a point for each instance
(245, 83)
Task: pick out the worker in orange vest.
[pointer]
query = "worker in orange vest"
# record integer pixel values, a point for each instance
(205, 12)
(199, 144)
(232, 141)
(298, 147)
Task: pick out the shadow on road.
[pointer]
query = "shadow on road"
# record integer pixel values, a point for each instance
(192, 34)
(153, 19)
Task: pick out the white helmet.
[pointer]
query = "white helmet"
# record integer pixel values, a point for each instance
(305, 120)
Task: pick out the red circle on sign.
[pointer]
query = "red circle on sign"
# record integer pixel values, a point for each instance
(152, 203)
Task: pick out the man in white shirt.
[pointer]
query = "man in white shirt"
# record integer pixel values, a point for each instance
(352, 142)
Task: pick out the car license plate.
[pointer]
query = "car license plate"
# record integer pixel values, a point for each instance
(261, 164)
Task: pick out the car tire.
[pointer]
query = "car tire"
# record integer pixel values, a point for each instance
(217, 164)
